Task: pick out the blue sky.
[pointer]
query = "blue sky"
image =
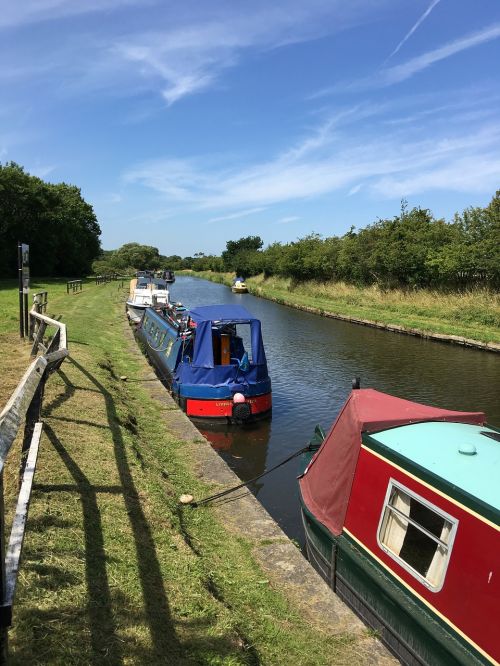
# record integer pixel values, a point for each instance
(187, 124)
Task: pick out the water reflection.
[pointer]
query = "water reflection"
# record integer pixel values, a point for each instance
(243, 448)
(312, 361)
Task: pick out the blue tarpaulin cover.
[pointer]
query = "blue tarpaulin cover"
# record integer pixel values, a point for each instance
(202, 370)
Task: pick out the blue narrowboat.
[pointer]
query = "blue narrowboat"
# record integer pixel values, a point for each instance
(213, 360)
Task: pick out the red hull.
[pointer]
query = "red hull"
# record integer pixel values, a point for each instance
(218, 409)
(469, 597)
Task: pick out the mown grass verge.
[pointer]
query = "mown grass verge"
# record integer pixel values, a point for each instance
(113, 571)
(474, 315)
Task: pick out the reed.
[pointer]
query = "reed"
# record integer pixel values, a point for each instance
(474, 314)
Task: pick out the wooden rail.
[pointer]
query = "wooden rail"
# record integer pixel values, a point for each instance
(25, 404)
(40, 301)
(74, 286)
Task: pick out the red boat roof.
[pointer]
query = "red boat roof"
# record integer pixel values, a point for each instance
(326, 484)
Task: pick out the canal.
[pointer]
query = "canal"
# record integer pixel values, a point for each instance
(312, 361)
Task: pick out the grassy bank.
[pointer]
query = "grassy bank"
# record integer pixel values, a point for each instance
(474, 315)
(113, 572)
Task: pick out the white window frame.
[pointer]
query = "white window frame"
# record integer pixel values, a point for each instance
(393, 484)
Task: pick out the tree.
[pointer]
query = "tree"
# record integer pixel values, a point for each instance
(236, 256)
(134, 256)
(59, 226)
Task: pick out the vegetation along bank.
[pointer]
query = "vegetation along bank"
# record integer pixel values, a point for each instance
(412, 273)
(113, 570)
(471, 318)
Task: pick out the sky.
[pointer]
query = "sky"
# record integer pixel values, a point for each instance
(188, 124)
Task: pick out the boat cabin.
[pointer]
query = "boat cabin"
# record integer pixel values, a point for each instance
(215, 359)
(401, 509)
(145, 291)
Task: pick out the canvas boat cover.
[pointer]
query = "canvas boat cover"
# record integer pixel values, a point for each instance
(202, 370)
(326, 483)
(207, 315)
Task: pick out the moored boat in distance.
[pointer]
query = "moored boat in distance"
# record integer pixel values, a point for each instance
(212, 360)
(145, 291)
(401, 510)
(168, 276)
(239, 286)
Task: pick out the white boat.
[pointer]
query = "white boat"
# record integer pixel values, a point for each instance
(239, 286)
(145, 292)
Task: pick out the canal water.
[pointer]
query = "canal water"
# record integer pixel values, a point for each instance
(312, 361)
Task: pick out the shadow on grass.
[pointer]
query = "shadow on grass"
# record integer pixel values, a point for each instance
(156, 607)
(105, 645)
(48, 629)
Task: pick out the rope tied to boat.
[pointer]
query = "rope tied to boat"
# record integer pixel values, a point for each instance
(223, 493)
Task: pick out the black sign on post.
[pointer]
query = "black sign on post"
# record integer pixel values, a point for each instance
(23, 262)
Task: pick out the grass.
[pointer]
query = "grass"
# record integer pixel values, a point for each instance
(113, 571)
(474, 314)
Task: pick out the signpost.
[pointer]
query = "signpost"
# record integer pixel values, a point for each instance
(23, 262)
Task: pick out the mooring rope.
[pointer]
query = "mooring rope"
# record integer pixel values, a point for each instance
(218, 496)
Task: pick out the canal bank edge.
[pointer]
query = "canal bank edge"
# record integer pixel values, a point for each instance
(393, 328)
(278, 557)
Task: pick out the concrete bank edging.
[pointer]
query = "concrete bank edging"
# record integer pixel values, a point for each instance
(287, 569)
(393, 328)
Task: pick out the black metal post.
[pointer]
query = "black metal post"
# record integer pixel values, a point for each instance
(26, 314)
(20, 269)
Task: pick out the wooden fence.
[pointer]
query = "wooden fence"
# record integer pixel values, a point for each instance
(74, 286)
(25, 406)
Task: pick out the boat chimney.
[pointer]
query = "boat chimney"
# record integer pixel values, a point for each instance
(356, 383)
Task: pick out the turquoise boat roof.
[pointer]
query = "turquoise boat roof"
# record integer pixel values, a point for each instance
(435, 446)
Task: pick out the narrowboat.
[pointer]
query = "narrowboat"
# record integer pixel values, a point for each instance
(213, 361)
(145, 291)
(401, 509)
(169, 276)
(239, 286)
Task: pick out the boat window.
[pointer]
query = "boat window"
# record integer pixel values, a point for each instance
(242, 342)
(416, 534)
(229, 343)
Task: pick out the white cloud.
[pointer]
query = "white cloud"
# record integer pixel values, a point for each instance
(388, 76)
(404, 71)
(414, 27)
(287, 220)
(235, 216)
(32, 11)
(42, 171)
(460, 156)
(172, 52)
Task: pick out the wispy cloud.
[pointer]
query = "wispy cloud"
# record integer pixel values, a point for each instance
(42, 171)
(414, 27)
(190, 58)
(33, 11)
(287, 220)
(388, 76)
(171, 52)
(385, 161)
(404, 71)
(235, 216)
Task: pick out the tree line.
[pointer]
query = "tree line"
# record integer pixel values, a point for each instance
(411, 250)
(58, 224)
